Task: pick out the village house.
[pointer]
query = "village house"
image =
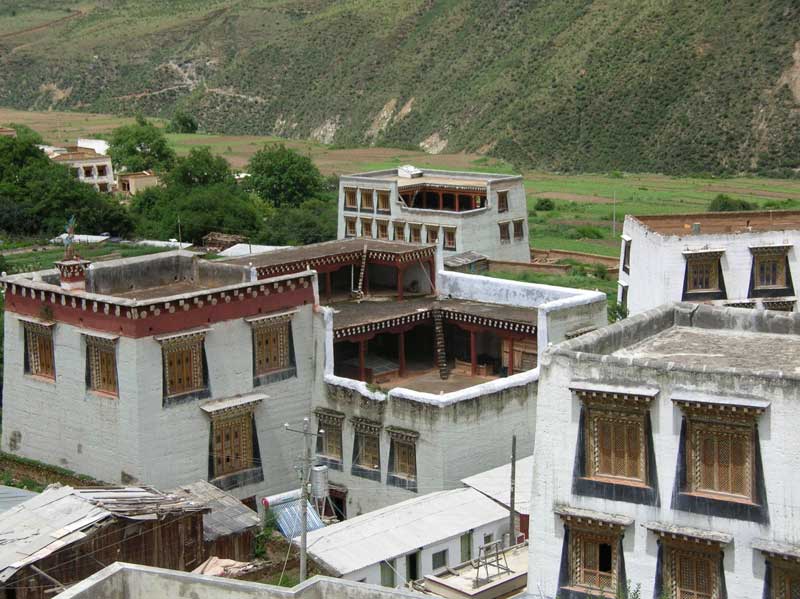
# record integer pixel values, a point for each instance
(132, 183)
(417, 376)
(7, 132)
(64, 535)
(666, 457)
(85, 164)
(411, 539)
(742, 259)
(464, 211)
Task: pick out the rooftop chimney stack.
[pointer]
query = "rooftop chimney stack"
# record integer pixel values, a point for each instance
(73, 273)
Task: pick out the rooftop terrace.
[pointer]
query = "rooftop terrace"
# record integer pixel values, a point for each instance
(434, 178)
(722, 222)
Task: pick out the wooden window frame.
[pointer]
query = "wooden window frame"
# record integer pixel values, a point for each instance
(625, 460)
(101, 360)
(272, 345)
(382, 229)
(367, 200)
(711, 268)
(785, 576)
(191, 346)
(350, 198)
(778, 271)
(384, 202)
(676, 554)
(415, 233)
(626, 255)
(450, 231)
(40, 358)
(582, 576)
(505, 231)
(432, 233)
(350, 229)
(502, 201)
(232, 443)
(330, 447)
(367, 433)
(374, 442)
(519, 230)
(443, 554)
(366, 227)
(703, 436)
(401, 228)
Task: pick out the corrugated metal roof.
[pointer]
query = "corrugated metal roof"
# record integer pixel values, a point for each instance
(496, 483)
(11, 496)
(58, 516)
(401, 528)
(228, 515)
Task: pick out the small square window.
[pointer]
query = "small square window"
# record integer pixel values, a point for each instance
(433, 233)
(233, 444)
(366, 199)
(770, 271)
(183, 365)
(702, 274)
(383, 201)
(721, 459)
(383, 229)
(39, 353)
(399, 231)
(102, 364)
(416, 233)
(88, 171)
(449, 239)
(488, 538)
(694, 574)
(439, 560)
(594, 563)
(271, 347)
(366, 227)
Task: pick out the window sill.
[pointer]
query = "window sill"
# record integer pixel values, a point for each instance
(274, 376)
(41, 378)
(102, 394)
(700, 291)
(721, 497)
(505, 241)
(332, 463)
(402, 482)
(241, 478)
(173, 400)
(363, 472)
(582, 591)
(612, 480)
(351, 208)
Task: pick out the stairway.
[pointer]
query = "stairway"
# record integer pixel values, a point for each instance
(359, 293)
(441, 356)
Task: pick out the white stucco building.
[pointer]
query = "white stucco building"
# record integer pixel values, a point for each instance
(86, 164)
(478, 212)
(167, 369)
(743, 259)
(666, 457)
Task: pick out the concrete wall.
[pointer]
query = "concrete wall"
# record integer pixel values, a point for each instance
(657, 264)
(476, 230)
(134, 437)
(372, 574)
(556, 433)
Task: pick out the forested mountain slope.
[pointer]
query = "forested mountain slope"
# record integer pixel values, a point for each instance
(674, 86)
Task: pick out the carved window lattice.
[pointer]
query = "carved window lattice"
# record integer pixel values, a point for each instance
(416, 234)
(39, 349)
(702, 274)
(366, 199)
(367, 444)
(101, 354)
(183, 365)
(594, 561)
(383, 201)
(691, 573)
(350, 227)
(721, 458)
(616, 445)
(519, 230)
(232, 437)
(366, 227)
(400, 231)
(271, 346)
(383, 229)
(329, 443)
(770, 270)
(785, 580)
(505, 233)
(350, 198)
(502, 201)
(433, 233)
(404, 453)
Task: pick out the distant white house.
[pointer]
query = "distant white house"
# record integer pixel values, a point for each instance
(411, 539)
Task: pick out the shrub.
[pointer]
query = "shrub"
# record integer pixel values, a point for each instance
(725, 203)
(545, 204)
(587, 232)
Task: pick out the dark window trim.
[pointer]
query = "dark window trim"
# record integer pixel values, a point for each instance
(712, 506)
(233, 480)
(590, 487)
(564, 591)
(173, 400)
(395, 480)
(786, 291)
(362, 471)
(698, 296)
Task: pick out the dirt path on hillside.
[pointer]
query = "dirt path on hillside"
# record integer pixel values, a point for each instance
(77, 13)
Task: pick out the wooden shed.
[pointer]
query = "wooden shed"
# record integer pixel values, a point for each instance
(65, 535)
(229, 527)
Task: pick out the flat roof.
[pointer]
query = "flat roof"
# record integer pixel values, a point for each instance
(722, 348)
(401, 528)
(354, 313)
(432, 177)
(327, 248)
(496, 484)
(722, 222)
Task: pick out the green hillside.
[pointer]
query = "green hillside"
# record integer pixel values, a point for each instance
(674, 86)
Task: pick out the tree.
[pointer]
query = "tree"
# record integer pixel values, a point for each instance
(25, 133)
(311, 222)
(200, 168)
(725, 203)
(139, 147)
(282, 176)
(182, 122)
(38, 195)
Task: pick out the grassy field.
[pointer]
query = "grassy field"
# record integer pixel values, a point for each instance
(588, 209)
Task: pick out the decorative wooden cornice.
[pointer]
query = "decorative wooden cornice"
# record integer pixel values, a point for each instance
(344, 258)
(611, 396)
(777, 550)
(270, 320)
(362, 425)
(727, 408)
(591, 520)
(402, 434)
(703, 254)
(485, 321)
(382, 325)
(684, 534)
(770, 250)
(327, 416)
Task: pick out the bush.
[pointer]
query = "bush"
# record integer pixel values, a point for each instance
(725, 203)
(587, 232)
(182, 122)
(545, 204)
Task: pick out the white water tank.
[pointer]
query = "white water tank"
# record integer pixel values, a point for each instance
(319, 482)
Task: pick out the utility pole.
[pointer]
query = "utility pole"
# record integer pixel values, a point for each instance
(614, 215)
(511, 505)
(305, 475)
(179, 232)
